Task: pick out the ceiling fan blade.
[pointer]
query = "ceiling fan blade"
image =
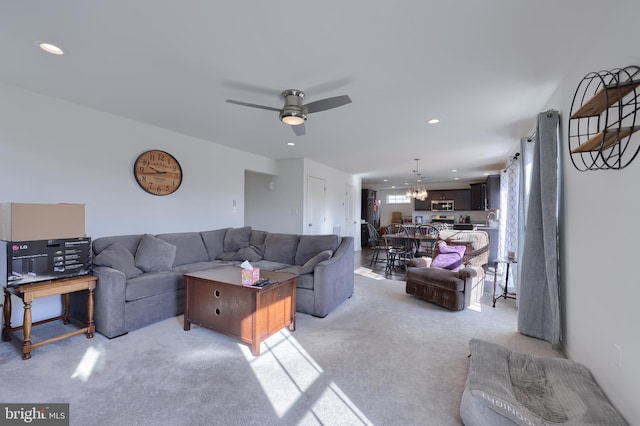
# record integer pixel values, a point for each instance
(253, 88)
(329, 85)
(328, 103)
(231, 101)
(299, 130)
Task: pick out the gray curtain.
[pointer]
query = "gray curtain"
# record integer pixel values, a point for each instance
(539, 304)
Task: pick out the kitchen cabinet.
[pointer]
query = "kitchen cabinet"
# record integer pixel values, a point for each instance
(478, 196)
(461, 199)
(493, 192)
(423, 205)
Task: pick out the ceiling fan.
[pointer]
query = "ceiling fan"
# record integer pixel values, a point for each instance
(294, 112)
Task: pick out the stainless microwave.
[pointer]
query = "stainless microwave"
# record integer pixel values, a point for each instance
(442, 205)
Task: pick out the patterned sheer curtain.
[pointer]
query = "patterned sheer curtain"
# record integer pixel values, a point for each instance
(509, 202)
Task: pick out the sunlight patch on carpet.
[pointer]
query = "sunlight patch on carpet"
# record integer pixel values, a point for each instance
(475, 306)
(87, 364)
(288, 376)
(366, 272)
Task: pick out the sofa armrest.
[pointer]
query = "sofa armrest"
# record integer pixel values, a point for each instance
(333, 279)
(467, 272)
(420, 262)
(109, 299)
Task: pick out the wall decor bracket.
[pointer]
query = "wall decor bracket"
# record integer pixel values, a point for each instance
(603, 118)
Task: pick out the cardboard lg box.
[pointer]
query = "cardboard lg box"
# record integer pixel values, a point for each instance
(23, 262)
(30, 222)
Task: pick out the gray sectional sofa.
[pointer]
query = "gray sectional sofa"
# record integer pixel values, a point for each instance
(140, 277)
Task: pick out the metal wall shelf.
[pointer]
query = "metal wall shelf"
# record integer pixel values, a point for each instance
(603, 118)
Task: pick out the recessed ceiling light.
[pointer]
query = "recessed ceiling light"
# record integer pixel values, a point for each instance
(454, 171)
(433, 121)
(456, 178)
(385, 180)
(291, 143)
(51, 48)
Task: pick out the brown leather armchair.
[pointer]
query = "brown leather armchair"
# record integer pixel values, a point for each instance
(452, 289)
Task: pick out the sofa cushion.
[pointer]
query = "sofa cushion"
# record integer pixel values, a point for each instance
(198, 266)
(130, 242)
(449, 257)
(250, 253)
(153, 283)
(310, 264)
(237, 238)
(153, 254)
(214, 242)
(515, 388)
(189, 247)
(226, 255)
(269, 265)
(116, 256)
(257, 241)
(281, 248)
(311, 245)
(258, 237)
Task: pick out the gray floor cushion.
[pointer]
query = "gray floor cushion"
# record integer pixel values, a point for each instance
(505, 387)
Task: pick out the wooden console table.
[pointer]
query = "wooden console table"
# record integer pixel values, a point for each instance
(29, 292)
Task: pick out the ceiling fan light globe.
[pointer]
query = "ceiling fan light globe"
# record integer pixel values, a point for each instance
(292, 118)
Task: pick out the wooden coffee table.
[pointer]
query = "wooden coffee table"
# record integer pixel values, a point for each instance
(216, 299)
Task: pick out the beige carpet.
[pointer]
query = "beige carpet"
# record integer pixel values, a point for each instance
(383, 358)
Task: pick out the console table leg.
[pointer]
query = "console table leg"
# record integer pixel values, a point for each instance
(90, 326)
(7, 316)
(495, 282)
(26, 346)
(65, 315)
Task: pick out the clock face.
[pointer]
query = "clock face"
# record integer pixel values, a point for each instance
(158, 172)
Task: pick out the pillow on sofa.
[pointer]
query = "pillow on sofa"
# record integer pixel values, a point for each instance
(308, 267)
(310, 245)
(153, 254)
(116, 256)
(281, 248)
(449, 257)
(250, 253)
(214, 241)
(237, 238)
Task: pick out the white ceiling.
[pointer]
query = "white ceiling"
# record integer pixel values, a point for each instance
(484, 68)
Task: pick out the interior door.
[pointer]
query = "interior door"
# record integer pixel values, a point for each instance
(315, 205)
(350, 221)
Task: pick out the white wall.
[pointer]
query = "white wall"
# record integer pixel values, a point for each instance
(279, 209)
(336, 182)
(54, 151)
(599, 238)
(277, 203)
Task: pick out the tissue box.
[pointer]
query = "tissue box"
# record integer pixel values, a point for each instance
(250, 276)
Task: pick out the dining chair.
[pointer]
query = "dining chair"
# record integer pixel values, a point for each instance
(426, 238)
(400, 246)
(377, 243)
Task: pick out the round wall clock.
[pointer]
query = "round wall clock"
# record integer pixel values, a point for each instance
(158, 172)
